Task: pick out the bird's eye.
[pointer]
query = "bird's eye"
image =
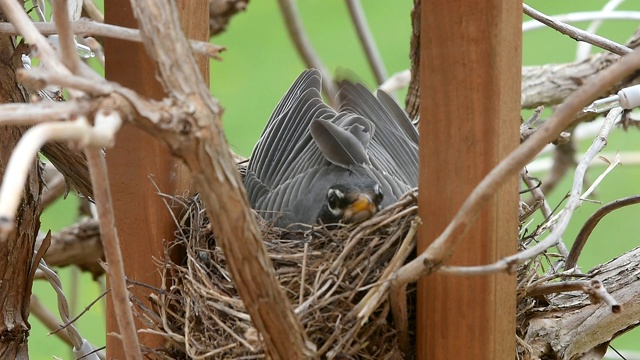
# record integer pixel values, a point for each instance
(333, 197)
(378, 194)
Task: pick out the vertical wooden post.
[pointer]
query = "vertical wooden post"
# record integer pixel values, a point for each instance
(470, 109)
(143, 221)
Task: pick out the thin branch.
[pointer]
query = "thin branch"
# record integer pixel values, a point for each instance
(84, 311)
(78, 244)
(572, 327)
(366, 39)
(598, 293)
(556, 287)
(80, 345)
(583, 49)
(397, 81)
(563, 218)
(563, 160)
(583, 16)
(92, 28)
(111, 245)
(215, 175)
(92, 10)
(27, 148)
(48, 319)
(56, 186)
(46, 111)
(37, 78)
(68, 54)
(443, 246)
(299, 37)
(594, 288)
(577, 34)
(590, 225)
(22, 23)
(546, 210)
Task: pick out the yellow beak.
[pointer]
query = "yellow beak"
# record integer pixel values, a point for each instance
(360, 210)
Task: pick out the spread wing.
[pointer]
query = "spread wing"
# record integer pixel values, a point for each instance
(306, 147)
(393, 149)
(286, 149)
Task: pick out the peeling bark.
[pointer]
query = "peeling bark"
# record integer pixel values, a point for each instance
(570, 327)
(78, 244)
(412, 101)
(16, 253)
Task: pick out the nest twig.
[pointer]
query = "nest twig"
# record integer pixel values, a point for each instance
(336, 279)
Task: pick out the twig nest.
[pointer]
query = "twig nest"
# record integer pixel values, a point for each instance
(336, 281)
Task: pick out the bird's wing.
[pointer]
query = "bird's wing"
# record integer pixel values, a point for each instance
(394, 146)
(286, 149)
(344, 145)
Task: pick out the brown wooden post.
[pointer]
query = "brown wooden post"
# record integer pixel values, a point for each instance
(142, 219)
(470, 106)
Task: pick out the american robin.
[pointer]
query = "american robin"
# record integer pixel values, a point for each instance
(314, 164)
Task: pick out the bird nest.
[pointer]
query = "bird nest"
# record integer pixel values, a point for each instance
(335, 279)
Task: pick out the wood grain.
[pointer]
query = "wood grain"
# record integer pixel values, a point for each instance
(470, 55)
(138, 158)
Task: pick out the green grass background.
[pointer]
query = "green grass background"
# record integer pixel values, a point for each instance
(261, 63)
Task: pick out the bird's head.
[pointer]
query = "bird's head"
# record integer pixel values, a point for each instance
(351, 202)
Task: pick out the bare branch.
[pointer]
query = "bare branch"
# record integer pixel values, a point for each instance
(67, 42)
(577, 34)
(442, 247)
(78, 244)
(303, 45)
(584, 16)
(55, 183)
(215, 175)
(111, 243)
(78, 131)
(49, 320)
(590, 225)
(30, 113)
(571, 325)
(583, 49)
(72, 164)
(91, 28)
(594, 288)
(546, 210)
(563, 218)
(366, 39)
(92, 10)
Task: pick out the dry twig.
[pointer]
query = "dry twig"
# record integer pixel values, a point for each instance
(92, 28)
(366, 39)
(442, 247)
(577, 34)
(342, 296)
(299, 37)
(590, 225)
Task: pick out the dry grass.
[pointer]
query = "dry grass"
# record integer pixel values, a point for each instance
(336, 280)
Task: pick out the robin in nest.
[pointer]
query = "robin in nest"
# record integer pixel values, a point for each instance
(314, 164)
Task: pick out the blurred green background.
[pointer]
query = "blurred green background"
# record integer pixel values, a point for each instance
(259, 65)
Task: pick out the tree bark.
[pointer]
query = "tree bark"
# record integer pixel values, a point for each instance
(16, 254)
(570, 327)
(412, 101)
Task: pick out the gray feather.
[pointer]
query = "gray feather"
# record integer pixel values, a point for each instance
(307, 147)
(341, 147)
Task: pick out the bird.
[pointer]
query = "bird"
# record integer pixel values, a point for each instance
(317, 165)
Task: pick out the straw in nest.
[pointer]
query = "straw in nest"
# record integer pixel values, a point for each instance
(336, 280)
